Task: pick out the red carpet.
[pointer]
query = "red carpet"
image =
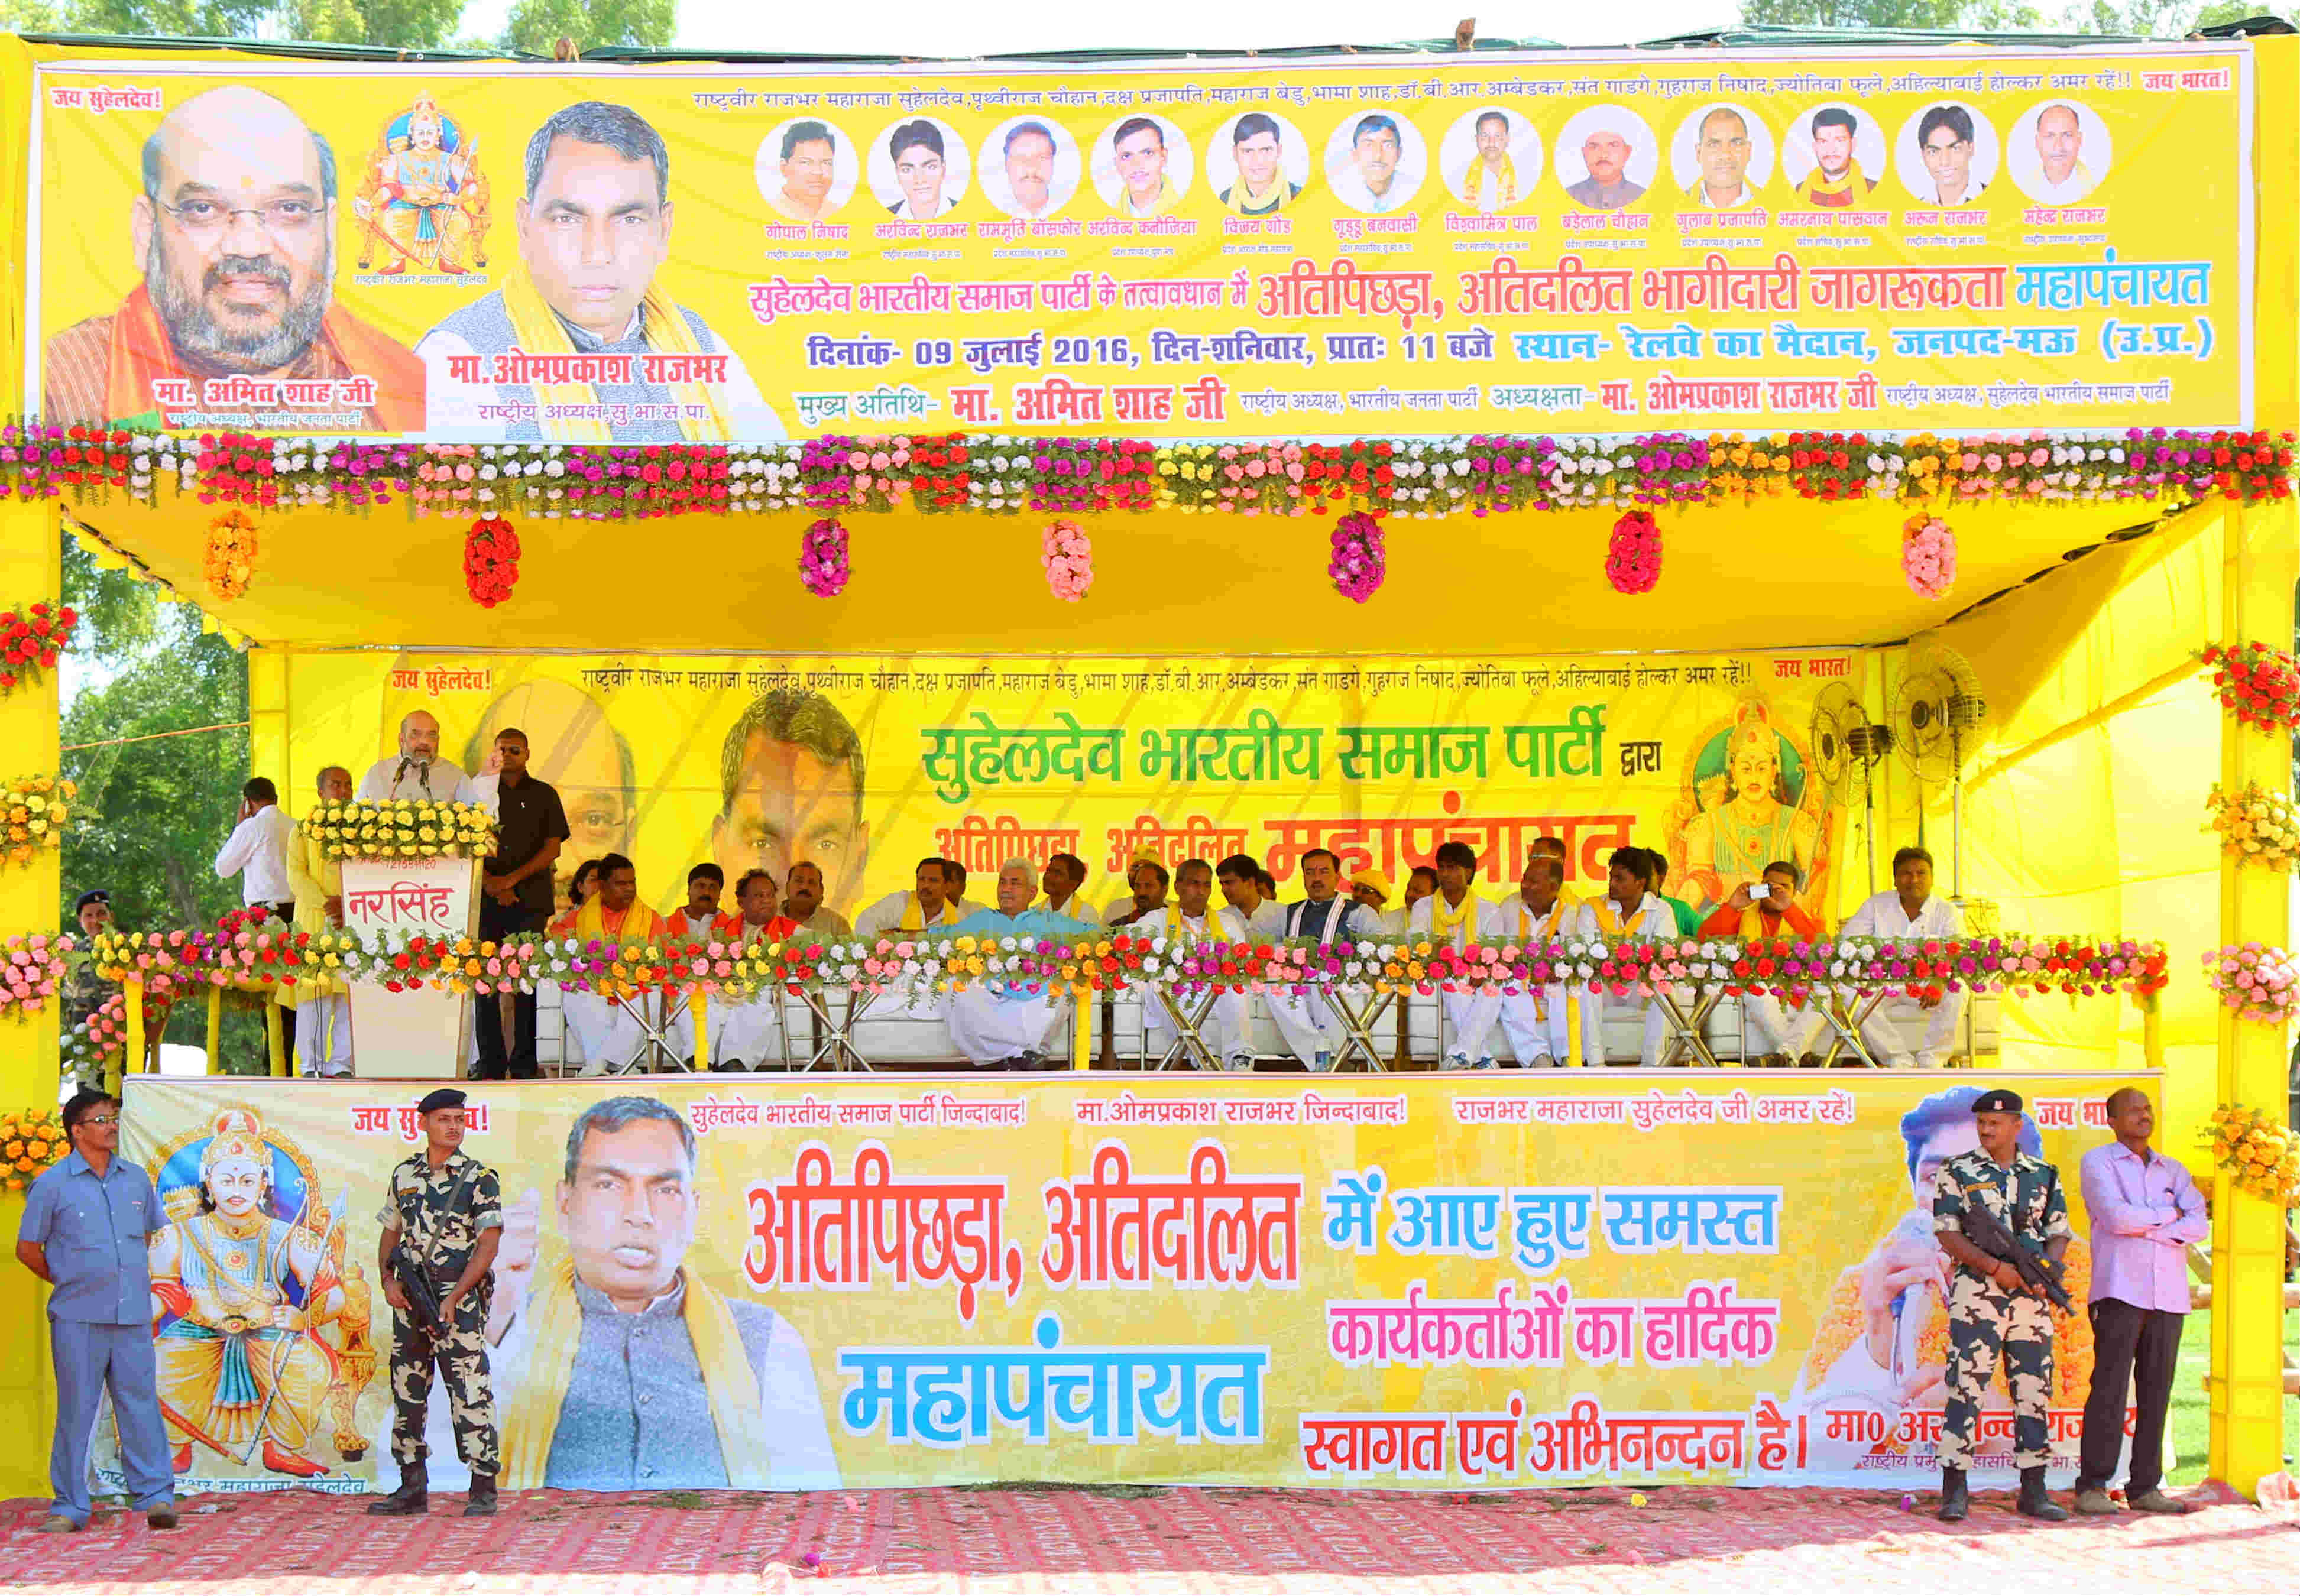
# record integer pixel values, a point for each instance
(1184, 1542)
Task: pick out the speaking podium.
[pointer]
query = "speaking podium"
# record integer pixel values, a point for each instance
(418, 1031)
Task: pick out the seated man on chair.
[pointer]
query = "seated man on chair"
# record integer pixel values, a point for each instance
(1305, 1019)
(1769, 909)
(1193, 916)
(996, 1024)
(742, 1035)
(1455, 914)
(1630, 909)
(1537, 1022)
(608, 1028)
(1911, 910)
(926, 908)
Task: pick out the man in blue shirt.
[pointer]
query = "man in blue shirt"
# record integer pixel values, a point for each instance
(86, 1224)
(1002, 1026)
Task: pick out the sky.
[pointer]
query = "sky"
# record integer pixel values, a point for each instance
(914, 28)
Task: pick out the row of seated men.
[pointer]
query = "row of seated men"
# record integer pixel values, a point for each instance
(1024, 1026)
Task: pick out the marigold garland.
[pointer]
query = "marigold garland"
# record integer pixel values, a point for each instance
(1633, 554)
(1360, 559)
(36, 809)
(2259, 685)
(232, 554)
(2262, 1156)
(401, 829)
(1068, 555)
(1927, 556)
(31, 1142)
(822, 562)
(2256, 825)
(490, 560)
(32, 637)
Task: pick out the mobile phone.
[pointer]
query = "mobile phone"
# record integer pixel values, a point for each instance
(1762, 891)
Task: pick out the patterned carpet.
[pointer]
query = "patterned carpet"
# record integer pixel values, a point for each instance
(1182, 1542)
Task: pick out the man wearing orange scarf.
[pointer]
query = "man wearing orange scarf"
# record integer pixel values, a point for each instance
(741, 1035)
(1770, 909)
(608, 1030)
(236, 229)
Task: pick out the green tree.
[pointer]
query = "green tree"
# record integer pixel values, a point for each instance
(399, 24)
(536, 25)
(1970, 16)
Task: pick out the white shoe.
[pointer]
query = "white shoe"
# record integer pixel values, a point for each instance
(1457, 1061)
(1486, 1063)
(1239, 1063)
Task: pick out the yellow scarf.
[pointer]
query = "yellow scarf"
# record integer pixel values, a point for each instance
(540, 332)
(554, 1325)
(914, 918)
(640, 922)
(1176, 931)
(1610, 920)
(1819, 183)
(1474, 180)
(1164, 202)
(1450, 922)
(1239, 202)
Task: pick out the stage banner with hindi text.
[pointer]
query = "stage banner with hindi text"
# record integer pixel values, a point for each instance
(865, 765)
(1891, 239)
(1556, 1278)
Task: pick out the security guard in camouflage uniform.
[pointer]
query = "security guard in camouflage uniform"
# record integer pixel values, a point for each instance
(445, 1213)
(87, 991)
(1990, 1309)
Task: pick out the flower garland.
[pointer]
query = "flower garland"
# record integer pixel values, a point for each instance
(402, 829)
(232, 554)
(1068, 555)
(1927, 556)
(31, 639)
(32, 1140)
(36, 810)
(2262, 1156)
(1476, 475)
(2259, 685)
(1633, 554)
(101, 1037)
(31, 968)
(822, 563)
(2256, 825)
(490, 561)
(2255, 980)
(1360, 559)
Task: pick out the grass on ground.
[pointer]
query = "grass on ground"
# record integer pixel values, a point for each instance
(2191, 1414)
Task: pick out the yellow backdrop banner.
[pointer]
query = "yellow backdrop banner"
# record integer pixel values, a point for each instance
(1511, 1281)
(1595, 242)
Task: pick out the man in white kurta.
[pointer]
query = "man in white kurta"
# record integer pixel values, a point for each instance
(1192, 917)
(417, 770)
(1454, 915)
(995, 1023)
(1537, 1023)
(1370, 891)
(1910, 910)
(1313, 1032)
(1146, 885)
(1249, 917)
(926, 908)
(1630, 908)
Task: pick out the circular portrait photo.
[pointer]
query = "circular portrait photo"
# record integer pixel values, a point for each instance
(1258, 163)
(2058, 152)
(1141, 166)
(1030, 167)
(806, 168)
(1947, 154)
(1375, 162)
(1490, 159)
(1721, 156)
(1606, 157)
(919, 168)
(1834, 156)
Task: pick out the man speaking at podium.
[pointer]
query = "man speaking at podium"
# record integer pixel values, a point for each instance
(416, 771)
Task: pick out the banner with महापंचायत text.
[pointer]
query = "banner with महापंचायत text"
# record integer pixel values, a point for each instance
(1885, 240)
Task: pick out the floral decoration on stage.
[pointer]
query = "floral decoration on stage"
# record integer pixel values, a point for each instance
(822, 563)
(1928, 555)
(1633, 554)
(99, 1045)
(1068, 554)
(230, 559)
(2256, 825)
(31, 968)
(2259, 685)
(32, 639)
(402, 829)
(2256, 980)
(37, 809)
(32, 1141)
(490, 561)
(1476, 475)
(1360, 558)
(2262, 1155)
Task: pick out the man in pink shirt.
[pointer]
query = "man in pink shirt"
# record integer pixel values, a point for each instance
(2144, 1210)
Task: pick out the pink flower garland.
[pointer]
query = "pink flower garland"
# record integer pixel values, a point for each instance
(822, 558)
(1928, 555)
(1633, 556)
(1359, 561)
(1069, 560)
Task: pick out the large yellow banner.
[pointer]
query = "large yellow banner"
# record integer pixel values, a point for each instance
(1590, 242)
(865, 765)
(1456, 1283)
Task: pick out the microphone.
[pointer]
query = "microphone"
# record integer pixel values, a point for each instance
(423, 775)
(396, 776)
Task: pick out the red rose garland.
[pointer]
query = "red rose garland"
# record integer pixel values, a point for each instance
(31, 638)
(1633, 557)
(490, 560)
(2259, 685)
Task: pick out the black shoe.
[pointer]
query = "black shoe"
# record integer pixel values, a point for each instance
(2033, 1503)
(482, 1503)
(411, 1501)
(1953, 1504)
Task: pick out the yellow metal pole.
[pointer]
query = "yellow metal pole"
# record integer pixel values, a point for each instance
(215, 1030)
(274, 1043)
(699, 1003)
(131, 1054)
(2261, 563)
(1083, 1006)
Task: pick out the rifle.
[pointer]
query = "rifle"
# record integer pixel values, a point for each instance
(1987, 1232)
(414, 1275)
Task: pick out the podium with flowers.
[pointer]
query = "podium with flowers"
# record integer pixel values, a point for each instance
(411, 869)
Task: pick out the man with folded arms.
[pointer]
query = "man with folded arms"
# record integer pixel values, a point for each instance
(999, 1025)
(2144, 1212)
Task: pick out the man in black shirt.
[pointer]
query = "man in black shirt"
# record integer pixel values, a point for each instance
(515, 894)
